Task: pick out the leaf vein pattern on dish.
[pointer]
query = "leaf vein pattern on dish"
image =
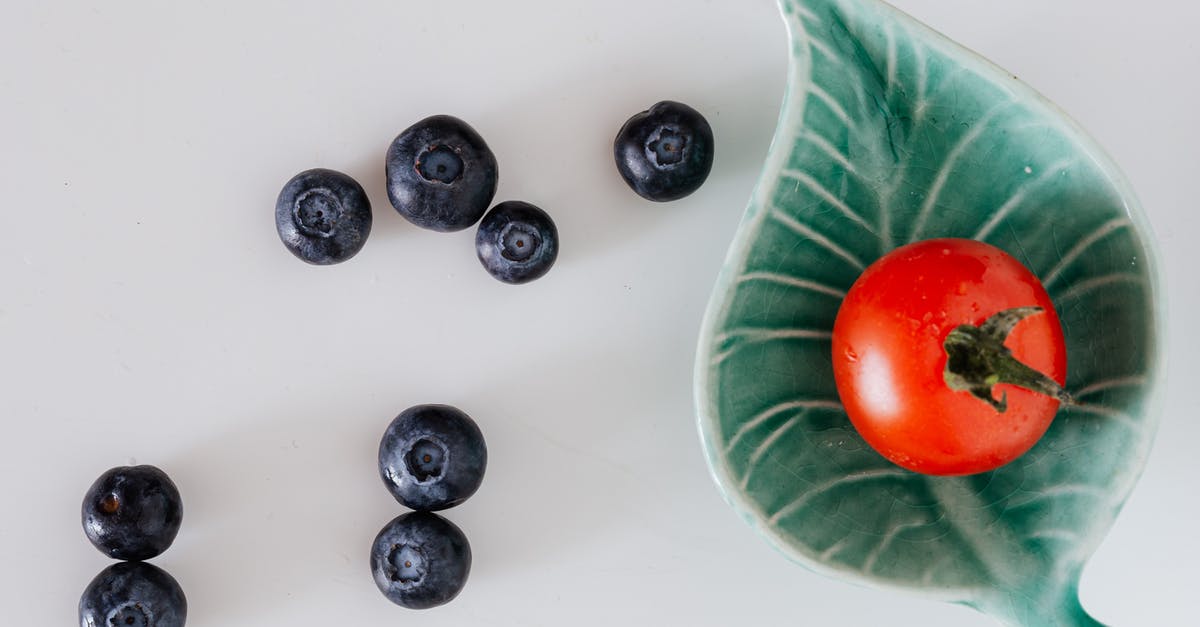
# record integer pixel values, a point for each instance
(1058, 168)
(740, 338)
(776, 410)
(1082, 245)
(791, 281)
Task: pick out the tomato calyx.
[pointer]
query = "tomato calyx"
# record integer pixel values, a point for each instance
(977, 360)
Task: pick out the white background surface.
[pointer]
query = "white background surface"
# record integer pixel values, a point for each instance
(148, 311)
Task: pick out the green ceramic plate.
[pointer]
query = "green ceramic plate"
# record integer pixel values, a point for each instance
(891, 133)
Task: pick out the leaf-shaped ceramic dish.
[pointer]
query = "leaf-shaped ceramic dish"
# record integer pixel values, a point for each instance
(891, 133)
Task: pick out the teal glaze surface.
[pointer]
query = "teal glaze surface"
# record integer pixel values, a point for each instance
(891, 133)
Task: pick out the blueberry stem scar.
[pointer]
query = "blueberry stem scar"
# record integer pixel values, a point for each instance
(977, 360)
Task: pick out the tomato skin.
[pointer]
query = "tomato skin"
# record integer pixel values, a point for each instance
(889, 360)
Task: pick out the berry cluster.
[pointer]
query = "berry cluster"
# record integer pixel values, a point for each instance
(431, 457)
(132, 513)
(442, 176)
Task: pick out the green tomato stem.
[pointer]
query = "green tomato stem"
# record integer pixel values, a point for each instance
(977, 360)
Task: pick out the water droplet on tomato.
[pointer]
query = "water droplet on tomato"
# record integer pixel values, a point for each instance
(851, 356)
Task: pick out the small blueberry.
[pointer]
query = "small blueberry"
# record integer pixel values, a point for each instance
(133, 594)
(132, 512)
(666, 152)
(323, 217)
(441, 175)
(420, 560)
(517, 242)
(432, 457)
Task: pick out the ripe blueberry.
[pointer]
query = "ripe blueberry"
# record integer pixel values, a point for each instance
(665, 153)
(432, 457)
(323, 216)
(420, 560)
(517, 242)
(132, 512)
(133, 594)
(441, 175)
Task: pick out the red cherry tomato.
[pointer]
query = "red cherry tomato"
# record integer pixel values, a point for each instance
(893, 340)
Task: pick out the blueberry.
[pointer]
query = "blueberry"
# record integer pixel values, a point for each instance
(665, 153)
(517, 242)
(133, 594)
(132, 512)
(323, 216)
(432, 457)
(420, 560)
(440, 174)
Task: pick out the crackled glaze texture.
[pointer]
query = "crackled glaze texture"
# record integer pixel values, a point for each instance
(891, 133)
